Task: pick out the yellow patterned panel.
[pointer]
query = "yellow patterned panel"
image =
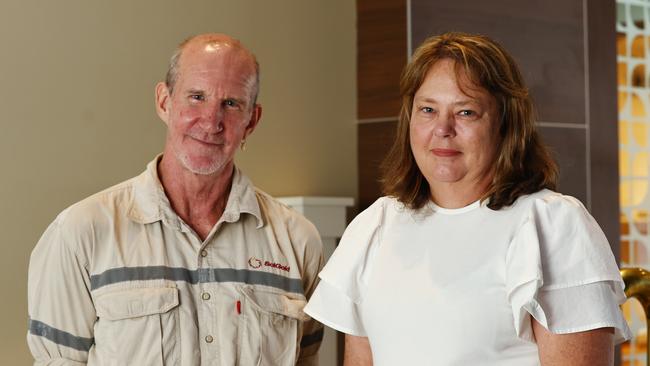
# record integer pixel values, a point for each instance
(633, 65)
(625, 193)
(621, 14)
(622, 101)
(623, 135)
(638, 108)
(640, 133)
(640, 165)
(634, 350)
(633, 192)
(640, 253)
(621, 44)
(638, 47)
(638, 76)
(636, 13)
(640, 219)
(639, 191)
(624, 163)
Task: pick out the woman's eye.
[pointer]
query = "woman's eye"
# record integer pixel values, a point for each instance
(467, 113)
(427, 109)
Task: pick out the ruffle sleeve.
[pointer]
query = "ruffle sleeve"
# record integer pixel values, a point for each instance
(560, 270)
(344, 277)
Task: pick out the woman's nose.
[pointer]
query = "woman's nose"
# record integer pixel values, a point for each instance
(444, 125)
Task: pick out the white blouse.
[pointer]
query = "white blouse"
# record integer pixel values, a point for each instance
(458, 286)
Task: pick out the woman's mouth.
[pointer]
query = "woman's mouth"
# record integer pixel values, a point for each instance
(445, 152)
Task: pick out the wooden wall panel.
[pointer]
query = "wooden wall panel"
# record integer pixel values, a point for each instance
(382, 53)
(603, 118)
(568, 146)
(375, 139)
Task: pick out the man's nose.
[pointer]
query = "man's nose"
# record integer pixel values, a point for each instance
(212, 120)
(445, 125)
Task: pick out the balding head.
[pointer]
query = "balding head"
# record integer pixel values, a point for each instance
(213, 41)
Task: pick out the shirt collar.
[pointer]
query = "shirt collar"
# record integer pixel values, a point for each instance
(242, 199)
(150, 204)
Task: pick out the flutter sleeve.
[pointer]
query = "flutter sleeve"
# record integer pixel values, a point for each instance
(338, 295)
(561, 271)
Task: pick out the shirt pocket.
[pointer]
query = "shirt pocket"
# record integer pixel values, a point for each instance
(137, 326)
(270, 327)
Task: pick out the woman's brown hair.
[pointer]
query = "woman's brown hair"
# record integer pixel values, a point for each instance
(523, 164)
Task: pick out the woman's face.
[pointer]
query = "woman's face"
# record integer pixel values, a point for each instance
(454, 136)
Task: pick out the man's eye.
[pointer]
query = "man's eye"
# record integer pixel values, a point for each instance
(230, 103)
(197, 97)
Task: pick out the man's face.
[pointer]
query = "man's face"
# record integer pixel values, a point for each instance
(211, 109)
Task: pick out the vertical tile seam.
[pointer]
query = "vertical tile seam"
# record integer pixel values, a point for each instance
(585, 33)
(409, 34)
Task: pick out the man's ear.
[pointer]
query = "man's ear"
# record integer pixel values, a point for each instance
(256, 115)
(162, 101)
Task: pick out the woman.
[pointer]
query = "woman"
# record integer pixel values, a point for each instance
(471, 258)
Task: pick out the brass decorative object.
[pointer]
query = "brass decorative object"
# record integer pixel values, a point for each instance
(637, 285)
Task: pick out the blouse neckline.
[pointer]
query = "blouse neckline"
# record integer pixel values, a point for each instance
(455, 211)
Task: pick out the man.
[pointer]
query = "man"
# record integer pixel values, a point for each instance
(186, 264)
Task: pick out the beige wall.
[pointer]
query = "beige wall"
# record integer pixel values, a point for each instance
(77, 115)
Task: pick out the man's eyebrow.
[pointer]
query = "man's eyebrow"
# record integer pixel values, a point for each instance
(238, 100)
(195, 91)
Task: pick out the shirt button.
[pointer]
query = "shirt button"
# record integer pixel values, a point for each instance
(209, 339)
(205, 296)
(204, 253)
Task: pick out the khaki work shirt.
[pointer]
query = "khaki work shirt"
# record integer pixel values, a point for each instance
(120, 279)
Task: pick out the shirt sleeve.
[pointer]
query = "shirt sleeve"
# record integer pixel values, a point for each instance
(336, 301)
(560, 270)
(61, 311)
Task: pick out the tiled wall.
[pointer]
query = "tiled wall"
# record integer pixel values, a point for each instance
(633, 60)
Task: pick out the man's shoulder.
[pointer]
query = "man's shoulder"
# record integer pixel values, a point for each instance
(270, 205)
(106, 203)
(77, 226)
(275, 212)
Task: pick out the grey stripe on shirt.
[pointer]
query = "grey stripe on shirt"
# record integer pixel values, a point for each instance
(60, 337)
(201, 275)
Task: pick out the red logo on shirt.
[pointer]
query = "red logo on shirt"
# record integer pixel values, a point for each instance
(257, 263)
(254, 262)
(276, 265)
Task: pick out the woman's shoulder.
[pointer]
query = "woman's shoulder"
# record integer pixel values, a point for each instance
(350, 266)
(385, 203)
(555, 257)
(556, 230)
(375, 214)
(547, 200)
(556, 217)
